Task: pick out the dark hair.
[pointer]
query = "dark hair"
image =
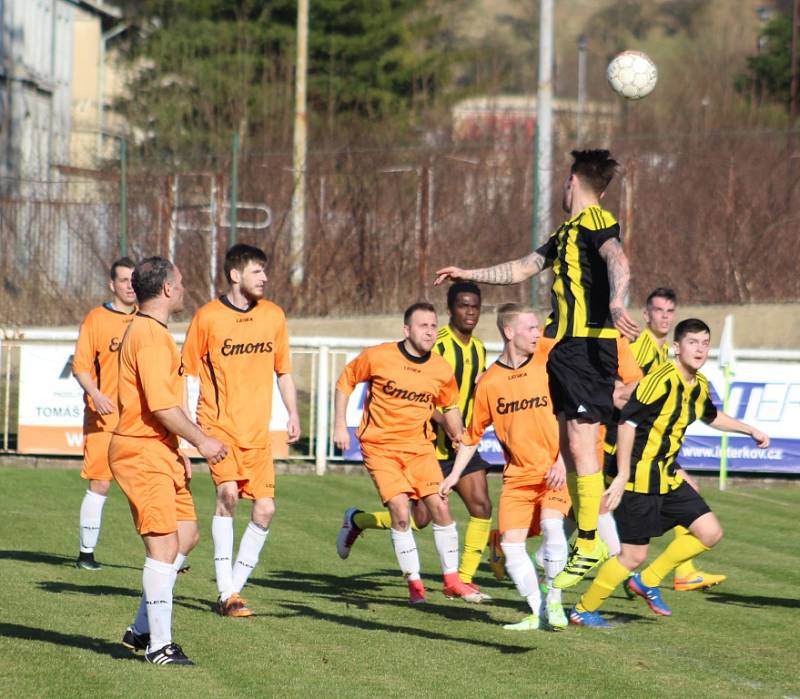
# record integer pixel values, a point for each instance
(149, 277)
(461, 288)
(662, 292)
(595, 167)
(414, 307)
(126, 262)
(240, 255)
(690, 325)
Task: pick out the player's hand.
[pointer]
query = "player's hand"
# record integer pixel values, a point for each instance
(446, 486)
(341, 437)
(102, 404)
(761, 439)
(187, 466)
(556, 477)
(212, 450)
(613, 494)
(293, 429)
(454, 273)
(624, 323)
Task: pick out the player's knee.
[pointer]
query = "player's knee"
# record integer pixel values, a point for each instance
(100, 487)
(191, 540)
(422, 518)
(263, 511)
(711, 536)
(226, 503)
(480, 508)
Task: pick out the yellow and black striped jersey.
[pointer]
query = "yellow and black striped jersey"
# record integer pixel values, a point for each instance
(661, 408)
(647, 352)
(467, 361)
(580, 293)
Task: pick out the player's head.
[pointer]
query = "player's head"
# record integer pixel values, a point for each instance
(590, 174)
(519, 327)
(246, 268)
(419, 326)
(156, 278)
(120, 284)
(691, 344)
(464, 304)
(659, 311)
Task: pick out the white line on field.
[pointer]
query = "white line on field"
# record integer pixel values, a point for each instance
(761, 497)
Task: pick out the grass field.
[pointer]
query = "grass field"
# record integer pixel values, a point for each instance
(335, 628)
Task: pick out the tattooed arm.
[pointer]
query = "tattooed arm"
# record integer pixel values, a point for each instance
(619, 279)
(505, 273)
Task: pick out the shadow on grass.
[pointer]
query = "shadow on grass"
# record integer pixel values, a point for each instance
(621, 618)
(367, 625)
(52, 559)
(96, 645)
(752, 601)
(59, 587)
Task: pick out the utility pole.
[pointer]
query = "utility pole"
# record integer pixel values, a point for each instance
(297, 250)
(580, 127)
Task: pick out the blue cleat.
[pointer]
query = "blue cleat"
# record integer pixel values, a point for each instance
(651, 595)
(592, 619)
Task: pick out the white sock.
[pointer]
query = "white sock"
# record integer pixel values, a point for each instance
(222, 535)
(554, 554)
(90, 518)
(607, 529)
(250, 547)
(158, 580)
(405, 548)
(140, 624)
(520, 569)
(446, 540)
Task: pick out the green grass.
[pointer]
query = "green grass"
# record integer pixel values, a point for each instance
(334, 628)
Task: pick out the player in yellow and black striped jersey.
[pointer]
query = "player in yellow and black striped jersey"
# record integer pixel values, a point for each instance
(466, 355)
(591, 282)
(658, 494)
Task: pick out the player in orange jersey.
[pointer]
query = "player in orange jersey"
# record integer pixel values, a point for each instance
(236, 344)
(144, 455)
(95, 365)
(406, 383)
(514, 396)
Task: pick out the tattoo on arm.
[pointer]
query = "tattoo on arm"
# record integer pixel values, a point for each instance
(619, 274)
(510, 272)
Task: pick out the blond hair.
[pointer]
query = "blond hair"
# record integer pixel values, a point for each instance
(509, 312)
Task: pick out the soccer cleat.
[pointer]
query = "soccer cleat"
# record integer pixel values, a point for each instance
(651, 595)
(171, 654)
(556, 619)
(135, 641)
(497, 559)
(455, 588)
(234, 606)
(581, 563)
(478, 591)
(529, 623)
(185, 568)
(85, 561)
(347, 534)
(416, 592)
(592, 619)
(698, 581)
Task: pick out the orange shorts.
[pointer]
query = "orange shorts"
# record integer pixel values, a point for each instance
(394, 472)
(521, 506)
(252, 469)
(152, 476)
(601, 443)
(95, 456)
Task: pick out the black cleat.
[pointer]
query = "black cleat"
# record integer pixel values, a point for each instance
(135, 641)
(86, 561)
(171, 654)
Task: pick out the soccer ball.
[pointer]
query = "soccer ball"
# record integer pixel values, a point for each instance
(632, 74)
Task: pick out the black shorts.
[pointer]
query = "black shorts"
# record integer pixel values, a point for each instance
(582, 371)
(641, 517)
(476, 463)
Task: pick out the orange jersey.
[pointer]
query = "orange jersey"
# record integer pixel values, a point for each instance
(628, 369)
(97, 354)
(150, 378)
(403, 392)
(236, 353)
(517, 402)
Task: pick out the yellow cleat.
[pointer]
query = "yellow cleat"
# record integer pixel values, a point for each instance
(581, 563)
(697, 581)
(529, 623)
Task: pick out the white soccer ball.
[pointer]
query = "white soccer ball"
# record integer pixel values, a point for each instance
(632, 74)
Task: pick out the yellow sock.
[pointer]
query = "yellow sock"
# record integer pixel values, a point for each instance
(590, 491)
(608, 578)
(373, 520)
(685, 569)
(680, 550)
(572, 486)
(475, 540)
